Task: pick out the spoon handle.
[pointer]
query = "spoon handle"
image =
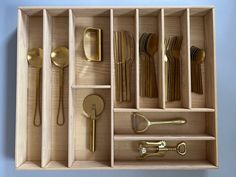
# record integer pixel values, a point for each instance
(37, 119)
(61, 120)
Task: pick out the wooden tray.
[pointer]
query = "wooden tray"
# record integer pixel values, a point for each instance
(65, 147)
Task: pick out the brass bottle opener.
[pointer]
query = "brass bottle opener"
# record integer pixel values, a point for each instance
(93, 106)
(35, 59)
(59, 57)
(160, 148)
(92, 44)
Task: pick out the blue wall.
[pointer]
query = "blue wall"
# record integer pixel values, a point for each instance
(226, 64)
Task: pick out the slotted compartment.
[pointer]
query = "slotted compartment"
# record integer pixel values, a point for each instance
(55, 137)
(202, 36)
(29, 144)
(150, 21)
(127, 155)
(125, 20)
(82, 155)
(197, 125)
(87, 72)
(176, 24)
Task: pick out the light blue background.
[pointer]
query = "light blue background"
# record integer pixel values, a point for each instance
(226, 73)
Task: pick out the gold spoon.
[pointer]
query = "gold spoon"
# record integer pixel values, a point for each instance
(59, 57)
(151, 48)
(35, 57)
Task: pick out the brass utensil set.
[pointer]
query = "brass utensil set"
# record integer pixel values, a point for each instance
(148, 45)
(59, 58)
(172, 49)
(124, 57)
(141, 124)
(197, 58)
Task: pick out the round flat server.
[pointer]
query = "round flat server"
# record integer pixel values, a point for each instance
(92, 102)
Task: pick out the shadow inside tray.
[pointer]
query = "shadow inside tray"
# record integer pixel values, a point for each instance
(10, 96)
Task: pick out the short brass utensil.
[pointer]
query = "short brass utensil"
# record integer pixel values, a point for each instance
(35, 59)
(140, 123)
(159, 149)
(92, 44)
(93, 106)
(197, 58)
(151, 48)
(59, 57)
(143, 65)
(129, 62)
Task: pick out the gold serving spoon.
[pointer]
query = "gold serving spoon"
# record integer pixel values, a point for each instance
(59, 57)
(35, 58)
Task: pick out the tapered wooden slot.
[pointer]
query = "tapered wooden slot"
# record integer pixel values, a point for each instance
(125, 20)
(55, 137)
(28, 139)
(177, 24)
(202, 36)
(150, 21)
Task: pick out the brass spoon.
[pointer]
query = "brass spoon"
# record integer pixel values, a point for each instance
(151, 48)
(35, 57)
(59, 57)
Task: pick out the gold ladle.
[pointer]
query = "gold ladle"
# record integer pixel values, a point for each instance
(59, 57)
(34, 58)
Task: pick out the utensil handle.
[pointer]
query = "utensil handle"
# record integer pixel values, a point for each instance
(37, 122)
(92, 135)
(61, 121)
(173, 121)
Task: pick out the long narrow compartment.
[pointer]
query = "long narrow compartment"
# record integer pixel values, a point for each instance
(150, 21)
(127, 155)
(55, 132)
(89, 77)
(202, 36)
(125, 20)
(177, 24)
(197, 124)
(28, 152)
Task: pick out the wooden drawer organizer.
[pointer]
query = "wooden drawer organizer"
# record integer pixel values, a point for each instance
(53, 147)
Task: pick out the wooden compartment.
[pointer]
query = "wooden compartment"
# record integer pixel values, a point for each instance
(82, 156)
(55, 137)
(198, 152)
(151, 21)
(66, 147)
(177, 24)
(202, 36)
(125, 19)
(196, 125)
(30, 34)
(92, 73)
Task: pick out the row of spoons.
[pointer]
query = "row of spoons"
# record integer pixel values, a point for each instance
(59, 58)
(148, 46)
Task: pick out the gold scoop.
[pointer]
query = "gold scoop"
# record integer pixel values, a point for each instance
(141, 124)
(34, 58)
(59, 57)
